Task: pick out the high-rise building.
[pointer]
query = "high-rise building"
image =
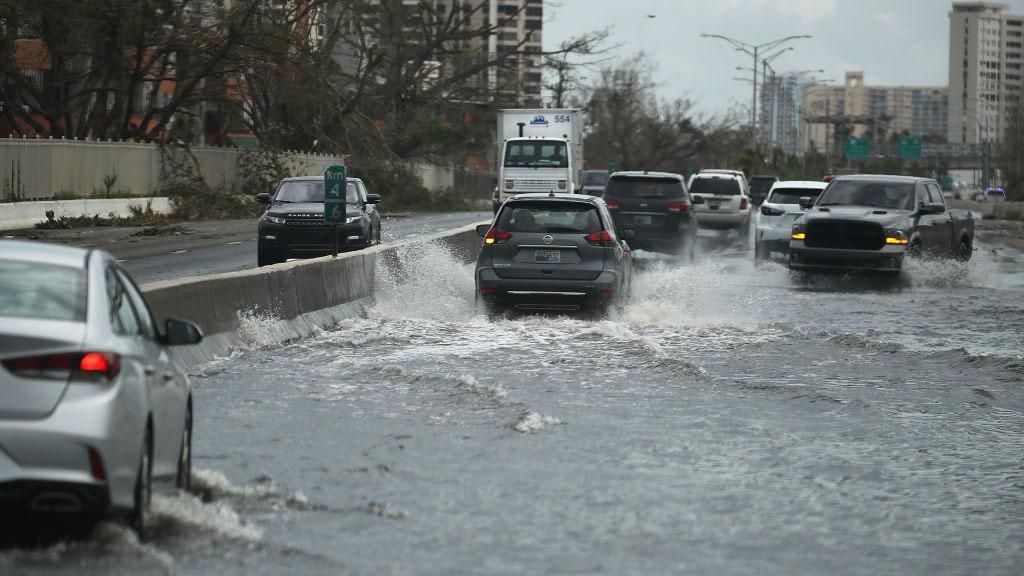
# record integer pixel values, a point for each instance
(519, 24)
(781, 103)
(878, 112)
(985, 69)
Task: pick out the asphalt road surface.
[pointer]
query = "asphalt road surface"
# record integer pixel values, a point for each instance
(235, 247)
(733, 420)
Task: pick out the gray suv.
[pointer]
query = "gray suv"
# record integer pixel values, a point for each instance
(553, 252)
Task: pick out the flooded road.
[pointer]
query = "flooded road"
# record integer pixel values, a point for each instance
(732, 421)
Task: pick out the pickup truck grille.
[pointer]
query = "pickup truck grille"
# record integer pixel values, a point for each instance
(844, 234)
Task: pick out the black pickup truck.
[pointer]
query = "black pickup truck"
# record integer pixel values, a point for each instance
(872, 222)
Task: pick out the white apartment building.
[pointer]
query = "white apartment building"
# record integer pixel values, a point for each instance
(985, 70)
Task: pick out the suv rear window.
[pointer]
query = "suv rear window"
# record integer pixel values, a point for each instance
(42, 291)
(550, 218)
(644, 188)
(792, 195)
(719, 186)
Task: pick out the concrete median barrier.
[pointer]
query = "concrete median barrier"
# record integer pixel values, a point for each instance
(290, 299)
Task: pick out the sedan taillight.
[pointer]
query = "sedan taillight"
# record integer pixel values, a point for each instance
(602, 238)
(612, 204)
(76, 366)
(678, 207)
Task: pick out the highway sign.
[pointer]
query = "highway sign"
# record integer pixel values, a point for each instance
(335, 186)
(613, 166)
(910, 147)
(858, 148)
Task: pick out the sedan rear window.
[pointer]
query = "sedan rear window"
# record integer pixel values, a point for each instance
(42, 291)
(644, 188)
(718, 186)
(550, 218)
(792, 195)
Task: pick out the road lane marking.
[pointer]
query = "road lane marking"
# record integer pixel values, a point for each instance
(179, 251)
(119, 261)
(234, 243)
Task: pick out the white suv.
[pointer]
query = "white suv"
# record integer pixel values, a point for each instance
(726, 201)
(778, 212)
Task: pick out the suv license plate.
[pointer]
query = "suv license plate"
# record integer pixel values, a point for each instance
(645, 220)
(548, 256)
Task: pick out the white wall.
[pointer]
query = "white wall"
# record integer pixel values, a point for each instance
(51, 167)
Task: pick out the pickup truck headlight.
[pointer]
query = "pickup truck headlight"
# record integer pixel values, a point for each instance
(273, 219)
(798, 233)
(897, 237)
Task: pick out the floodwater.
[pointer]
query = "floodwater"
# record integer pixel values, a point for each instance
(734, 420)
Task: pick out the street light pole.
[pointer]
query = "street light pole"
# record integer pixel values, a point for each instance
(754, 50)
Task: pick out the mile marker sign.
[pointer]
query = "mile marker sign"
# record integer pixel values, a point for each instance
(335, 185)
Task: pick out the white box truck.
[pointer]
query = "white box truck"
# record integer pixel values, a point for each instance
(539, 150)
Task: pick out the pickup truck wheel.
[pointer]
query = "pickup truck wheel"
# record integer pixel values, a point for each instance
(914, 250)
(964, 251)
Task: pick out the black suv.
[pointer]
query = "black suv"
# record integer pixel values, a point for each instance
(759, 188)
(656, 205)
(293, 225)
(552, 252)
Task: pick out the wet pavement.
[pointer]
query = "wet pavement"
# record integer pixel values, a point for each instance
(733, 420)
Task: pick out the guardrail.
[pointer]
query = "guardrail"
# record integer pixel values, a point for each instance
(299, 295)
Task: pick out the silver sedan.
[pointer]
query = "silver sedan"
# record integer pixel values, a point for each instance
(92, 407)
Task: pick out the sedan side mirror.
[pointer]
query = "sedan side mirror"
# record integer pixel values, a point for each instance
(372, 198)
(935, 208)
(481, 229)
(697, 200)
(263, 198)
(628, 234)
(806, 203)
(181, 333)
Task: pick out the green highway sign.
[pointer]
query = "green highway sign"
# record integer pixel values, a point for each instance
(858, 148)
(335, 185)
(613, 166)
(910, 147)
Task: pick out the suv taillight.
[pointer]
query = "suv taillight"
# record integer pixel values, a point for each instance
(767, 210)
(678, 207)
(743, 203)
(612, 204)
(510, 184)
(496, 236)
(602, 238)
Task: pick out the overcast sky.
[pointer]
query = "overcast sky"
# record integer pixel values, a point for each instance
(892, 41)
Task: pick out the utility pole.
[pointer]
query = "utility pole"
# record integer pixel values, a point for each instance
(755, 50)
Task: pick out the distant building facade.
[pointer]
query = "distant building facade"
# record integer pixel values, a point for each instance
(985, 69)
(878, 112)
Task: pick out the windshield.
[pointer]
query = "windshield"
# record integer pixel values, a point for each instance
(891, 195)
(536, 154)
(294, 191)
(644, 188)
(595, 178)
(715, 186)
(43, 291)
(793, 195)
(551, 218)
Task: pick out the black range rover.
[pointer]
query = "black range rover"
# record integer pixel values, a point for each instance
(293, 225)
